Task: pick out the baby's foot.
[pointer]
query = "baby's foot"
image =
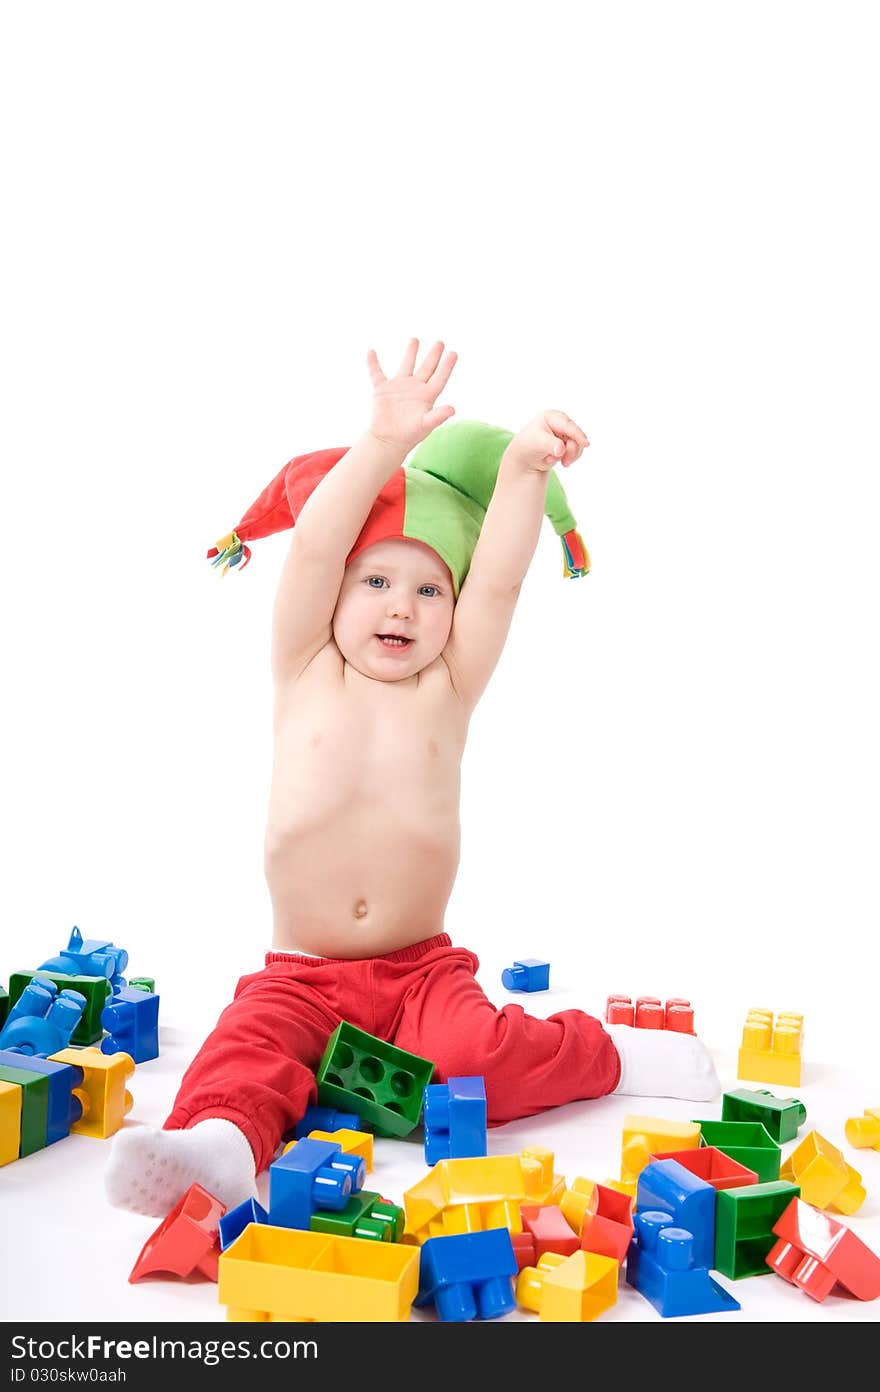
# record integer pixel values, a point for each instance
(663, 1063)
(149, 1169)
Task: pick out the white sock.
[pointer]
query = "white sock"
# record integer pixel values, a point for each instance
(150, 1169)
(663, 1063)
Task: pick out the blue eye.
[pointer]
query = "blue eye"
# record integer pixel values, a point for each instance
(431, 587)
(371, 578)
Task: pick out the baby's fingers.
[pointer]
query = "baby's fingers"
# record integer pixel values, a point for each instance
(564, 425)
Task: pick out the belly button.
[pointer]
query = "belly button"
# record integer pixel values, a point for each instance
(360, 908)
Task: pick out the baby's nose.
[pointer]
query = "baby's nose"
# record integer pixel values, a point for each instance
(399, 607)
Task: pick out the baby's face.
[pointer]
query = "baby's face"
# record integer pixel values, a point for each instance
(394, 587)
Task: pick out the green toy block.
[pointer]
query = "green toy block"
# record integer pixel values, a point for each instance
(746, 1141)
(782, 1116)
(384, 1085)
(143, 983)
(96, 989)
(358, 1219)
(4, 1006)
(744, 1220)
(34, 1105)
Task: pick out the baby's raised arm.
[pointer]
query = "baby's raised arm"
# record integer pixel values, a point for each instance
(332, 517)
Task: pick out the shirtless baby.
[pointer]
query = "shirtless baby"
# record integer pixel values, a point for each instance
(392, 610)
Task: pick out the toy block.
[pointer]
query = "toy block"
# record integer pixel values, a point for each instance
(824, 1178)
(864, 1131)
(352, 1143)
(662, 1266)
(771, 1053)
(815, 1252)
(577, 1202)
(454, 1119)
(607, 1227)
(187, 1240)
(233, 1223)
(131, 1019)
(143, 983)
(782, 1116)
(42, 1019)
(747, 1142)
(287, 1274)
(11, 1096)
(549, 1229)
(623, 1186)
(543, 1186)
(744, 1221)
(311, 1175)
(469, 1276)
(366, 1215)
(665, 1186)
(528, 975)
(326, 1119)
(648, 1013)
(469, 1193)
(713, 1166)
(4, 1005)
(643, 1135)
(523, 1245)
(34, 1089)
(96, 990)
(102, 1094)
(575, 1289)
(90, 957)
(63, 1109)
(384, 1083)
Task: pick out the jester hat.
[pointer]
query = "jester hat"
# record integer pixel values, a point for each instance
(439, 497)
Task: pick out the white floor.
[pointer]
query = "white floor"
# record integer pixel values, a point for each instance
(69, 1254)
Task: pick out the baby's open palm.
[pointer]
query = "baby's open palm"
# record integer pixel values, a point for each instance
(403, 406)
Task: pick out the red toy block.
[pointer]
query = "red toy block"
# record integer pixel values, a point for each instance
(523, 1249)
(712, 1165)
(608, 1223)
(815, 1251)
(549, 1228)
(649, 1013)
(186, 1241)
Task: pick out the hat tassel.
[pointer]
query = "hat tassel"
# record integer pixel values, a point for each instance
(229, 551)
(576, 559)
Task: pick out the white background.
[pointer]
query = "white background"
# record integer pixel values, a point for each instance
(660, 219)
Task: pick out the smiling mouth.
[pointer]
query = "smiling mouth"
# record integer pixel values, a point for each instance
(393, 640)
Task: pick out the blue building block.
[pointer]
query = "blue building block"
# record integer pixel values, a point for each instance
(131, 1018)
(660, 1265)
(64, 1109)
(326, 1119)
(667, 1187)
(454, 1119)
(42, 1019)
(312, 1175)
(468, 1275)
(527, 975)
(233, 1223)
(92, 957)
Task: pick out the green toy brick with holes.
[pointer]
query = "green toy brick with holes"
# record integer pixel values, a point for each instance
(34, 1105)
(383, 1084)
(782, 1116)
(744, 1220)
(365, 1215)
(143, 983)
(748, 1142)
(96, 989)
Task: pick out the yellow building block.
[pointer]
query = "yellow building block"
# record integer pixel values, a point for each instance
(864, 1131)
(543, 1187)
(825, 1179)
(576, 1202)
(771, 1053)
(102, 1094)
(352, 1143)
(623, 1186)
(490, 1188)
(270, 1273)
(10, 1122)
(643, 1135)
(571, 1289)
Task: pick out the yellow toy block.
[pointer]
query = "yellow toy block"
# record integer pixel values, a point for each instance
(864, 1131)
(543, 1187)
(491, 1188)
(623, 1186)
(576, 1202)
(271, 1273)
(825, 1179)
(643, 1135)
(771, 1053)
(102, 1094)
(352, 1143)
(572, 1289)
(10, 1122)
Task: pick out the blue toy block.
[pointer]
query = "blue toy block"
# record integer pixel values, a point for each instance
(312, 1175)
(326, 1119)
(660, 1265)
(468, 1275)
(42, 1019)
(667, 1187)
(527, 975)
(233, 1223)
(454, 1118)
(64, 1109)
(94, 957)
(131, 1018)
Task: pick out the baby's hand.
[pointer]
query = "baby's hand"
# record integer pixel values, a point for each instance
(551, 438)
(402, 414)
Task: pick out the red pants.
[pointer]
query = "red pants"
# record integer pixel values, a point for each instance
(257, 1067)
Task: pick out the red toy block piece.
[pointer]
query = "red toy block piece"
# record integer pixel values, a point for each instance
(608, 1223)
(186, 1241)
(650, 1013)
(619, 1010)
(523, 1249)
(815, 1251)
(712, 1165)
(549, 1228)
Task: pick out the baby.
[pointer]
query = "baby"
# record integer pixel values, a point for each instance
(392, 610)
